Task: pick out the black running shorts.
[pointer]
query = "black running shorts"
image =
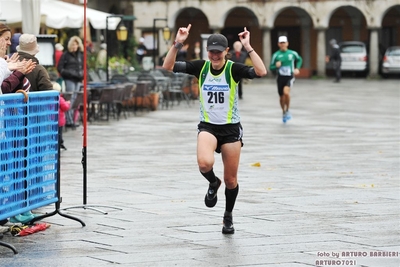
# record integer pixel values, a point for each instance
(226, 133)
(284, 81)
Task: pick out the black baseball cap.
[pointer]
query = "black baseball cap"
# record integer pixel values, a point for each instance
(217, 42)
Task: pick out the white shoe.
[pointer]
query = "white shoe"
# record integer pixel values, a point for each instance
(4, 229)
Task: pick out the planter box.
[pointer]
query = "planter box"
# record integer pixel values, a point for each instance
(304, 73)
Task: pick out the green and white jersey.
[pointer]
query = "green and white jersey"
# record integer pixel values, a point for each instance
(287, 59)
(218, 96)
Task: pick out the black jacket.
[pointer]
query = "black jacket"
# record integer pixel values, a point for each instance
(70, 66)
(335, 53)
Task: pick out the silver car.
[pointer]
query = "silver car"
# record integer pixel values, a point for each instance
(391, 61)
(354, 57)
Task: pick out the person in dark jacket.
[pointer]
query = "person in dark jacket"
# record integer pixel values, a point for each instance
(70, 68)
(335, 59)
(238, 55)
(27, 50)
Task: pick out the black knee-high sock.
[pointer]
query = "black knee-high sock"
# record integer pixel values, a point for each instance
(210, 176)
(230, 195)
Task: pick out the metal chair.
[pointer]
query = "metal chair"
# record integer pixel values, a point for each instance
(122, 94)
(141, 95)
(78, 102)
(105, 104)
(180, 88)
(119, 78)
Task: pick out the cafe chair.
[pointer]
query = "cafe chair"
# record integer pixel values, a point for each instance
(141, 96)
(105, 104)
(119, 78)
(180, 89)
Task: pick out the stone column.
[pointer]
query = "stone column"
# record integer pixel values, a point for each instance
(267, 51)
(305, 53)
(321, 52)
(373, 53)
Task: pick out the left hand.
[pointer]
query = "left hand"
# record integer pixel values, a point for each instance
(296, 71)
(182, 34)
(244, 37)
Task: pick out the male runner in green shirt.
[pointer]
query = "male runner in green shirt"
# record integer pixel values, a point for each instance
(286, 63)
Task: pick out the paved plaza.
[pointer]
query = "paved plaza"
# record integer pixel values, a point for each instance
(321, 190)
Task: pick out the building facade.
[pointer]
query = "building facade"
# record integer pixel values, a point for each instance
(309, 25)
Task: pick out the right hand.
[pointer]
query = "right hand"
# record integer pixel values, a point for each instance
(278, 64)
(182, 34)
(24, 66)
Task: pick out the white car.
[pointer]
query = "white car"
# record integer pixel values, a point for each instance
(391, 61)
(354, 57)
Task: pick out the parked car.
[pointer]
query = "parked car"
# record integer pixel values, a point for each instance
(354, 57)
(391, 61)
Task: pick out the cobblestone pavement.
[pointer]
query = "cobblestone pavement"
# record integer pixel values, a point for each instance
(325, 193)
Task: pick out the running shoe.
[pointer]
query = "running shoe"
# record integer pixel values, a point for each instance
(29, 213)
(4, 229)
(284, 119)
(22, 218)
(288, 115)
(228, 225)
(211, 197)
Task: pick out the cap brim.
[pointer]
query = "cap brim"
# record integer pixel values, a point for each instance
(216, 47)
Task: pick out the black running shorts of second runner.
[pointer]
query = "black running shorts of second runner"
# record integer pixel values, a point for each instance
(283, 81)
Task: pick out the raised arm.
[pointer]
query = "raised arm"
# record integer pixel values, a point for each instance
(180, 38)
(258, 64)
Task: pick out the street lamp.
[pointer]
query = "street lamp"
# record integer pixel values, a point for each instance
(122, 35)
(122, 32)
(166, 36)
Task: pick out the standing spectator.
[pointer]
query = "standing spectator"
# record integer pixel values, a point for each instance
(70, 68)
(284, 61)
(335, 59)
(12, 75)
(89, 47)
(14, 83)
(141, 51)
(59, 50)
(39, 77)
(182, 53)
(101, 61)
(62, 108)
(14, 43)
(5, 33)
(238, 55)
(58, 53)
(197, 51)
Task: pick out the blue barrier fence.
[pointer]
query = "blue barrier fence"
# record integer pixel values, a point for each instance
(29, 153)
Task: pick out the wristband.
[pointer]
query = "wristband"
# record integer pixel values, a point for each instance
(250, 51)
(177, 45)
